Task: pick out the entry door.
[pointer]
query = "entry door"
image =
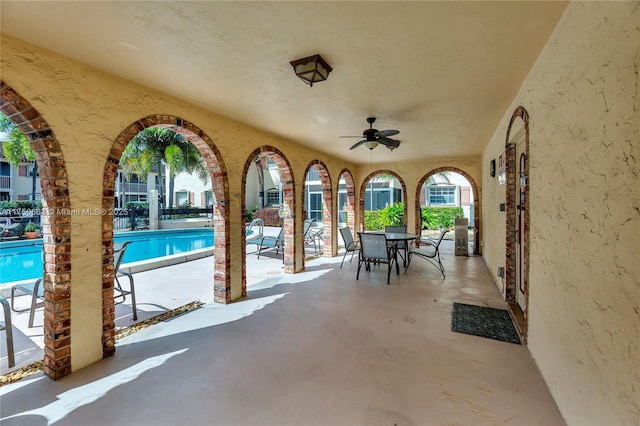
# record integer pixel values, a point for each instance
(521, 205)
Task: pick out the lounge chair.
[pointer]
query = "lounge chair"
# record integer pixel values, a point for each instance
(311, 234)
(118, 292)
(255, 232)
(430, 253)
(374, 249)
(6, 325)
(269, 241)
(350, 246)
(36, 290)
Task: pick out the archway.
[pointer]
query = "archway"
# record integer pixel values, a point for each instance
(346, 200)
(517, 217)
(476, 203)
(220, 189)
(325, 212)
(56, 218)
(363, 189)
(287, 207)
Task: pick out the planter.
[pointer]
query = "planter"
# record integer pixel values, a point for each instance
(31, 235)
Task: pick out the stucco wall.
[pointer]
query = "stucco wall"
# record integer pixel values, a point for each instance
(583, 100)
(87, 109)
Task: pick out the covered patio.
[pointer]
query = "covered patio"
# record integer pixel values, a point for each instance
(317, 347)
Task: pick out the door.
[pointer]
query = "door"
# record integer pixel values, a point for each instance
(521, 205)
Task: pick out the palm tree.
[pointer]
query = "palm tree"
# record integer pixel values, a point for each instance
(16, 149)
(155, 147)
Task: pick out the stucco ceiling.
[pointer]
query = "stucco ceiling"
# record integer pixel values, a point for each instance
(443, 73)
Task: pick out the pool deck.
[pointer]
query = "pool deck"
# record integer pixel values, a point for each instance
(161, 285)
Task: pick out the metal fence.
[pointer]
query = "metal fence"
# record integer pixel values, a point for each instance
(130, 219)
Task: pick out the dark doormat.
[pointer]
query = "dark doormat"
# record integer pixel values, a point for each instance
(484, 322)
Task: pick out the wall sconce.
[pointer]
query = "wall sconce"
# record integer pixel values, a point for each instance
(492, 168)
(311, 69)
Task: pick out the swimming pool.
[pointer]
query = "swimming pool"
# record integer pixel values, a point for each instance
(22, 260)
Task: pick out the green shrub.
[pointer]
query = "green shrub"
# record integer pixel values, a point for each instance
(30, 227)
(19, 205)
(437, 217)
(392, 215)
(376, 220)
(372, 220)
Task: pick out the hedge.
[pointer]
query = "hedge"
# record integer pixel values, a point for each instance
(440, 217)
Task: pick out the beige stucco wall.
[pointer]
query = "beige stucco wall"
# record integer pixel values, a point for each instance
(583, 99)
(87, 109)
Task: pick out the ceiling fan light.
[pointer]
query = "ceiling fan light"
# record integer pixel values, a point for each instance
(311, 69)
(371, 144)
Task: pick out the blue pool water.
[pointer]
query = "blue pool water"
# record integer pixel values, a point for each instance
(22, 260)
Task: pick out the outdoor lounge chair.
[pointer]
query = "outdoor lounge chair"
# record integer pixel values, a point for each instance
(312, 235)
(118, 292)
(374, 249)
(350, 246)
(8, 328)
(36, 290)
(269, 241)
(431, 253)
(255, 232)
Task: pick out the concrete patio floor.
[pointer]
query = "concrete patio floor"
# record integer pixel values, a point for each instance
(313, 348)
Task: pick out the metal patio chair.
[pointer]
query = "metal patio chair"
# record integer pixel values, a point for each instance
(430, 253)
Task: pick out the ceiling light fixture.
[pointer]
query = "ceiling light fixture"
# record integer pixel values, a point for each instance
(311, 69)
(371, 144)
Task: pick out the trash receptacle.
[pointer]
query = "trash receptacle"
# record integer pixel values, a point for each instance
(462, 236)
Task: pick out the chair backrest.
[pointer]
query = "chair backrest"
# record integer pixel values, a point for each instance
(349, 244)
(399, 228)
(402, 228)
(373, 246)
(118, 254)
(280, 236)
(442, 232)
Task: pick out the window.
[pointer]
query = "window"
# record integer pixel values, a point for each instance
(208, 198)
(342, 208)
(273, 197)
(182, 198)
(314, 206)
(442, 196)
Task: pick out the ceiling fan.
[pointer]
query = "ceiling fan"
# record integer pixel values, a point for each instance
(372, 137)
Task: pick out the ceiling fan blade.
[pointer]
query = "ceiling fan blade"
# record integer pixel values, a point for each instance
(385, 133)
(358, 144)
(359, 136)
(389, 143)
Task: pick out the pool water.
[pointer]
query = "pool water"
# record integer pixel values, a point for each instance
(22, 260)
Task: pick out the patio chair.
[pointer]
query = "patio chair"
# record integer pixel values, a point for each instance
(255, 232)
(270, 241)
(119, 292)
(430, 253)
(36, 290)
(401, 246)
(374, 249)
(8, 328)
(350, 246)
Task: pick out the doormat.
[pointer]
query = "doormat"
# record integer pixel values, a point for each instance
(484, 322)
